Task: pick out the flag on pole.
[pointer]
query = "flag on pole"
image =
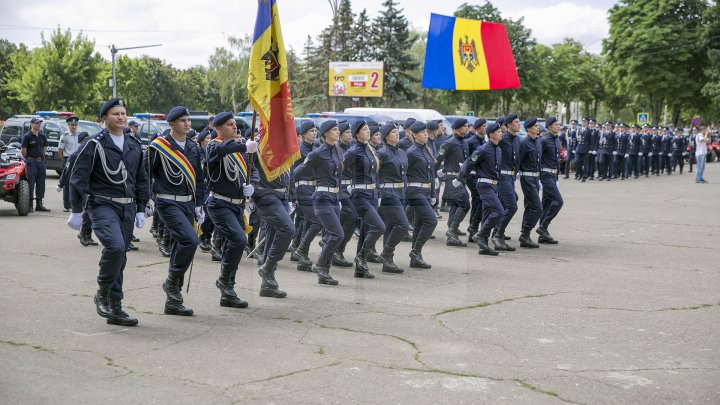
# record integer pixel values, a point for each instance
(464, 54)
(269, 92)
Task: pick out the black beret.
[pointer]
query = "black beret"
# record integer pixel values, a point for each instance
(550, 121)
(500, 121)
(492, 128)
(459, 123)
(110, 104)
(72, 120)
(592, 121)
(409, 122)
(374, 129)
(222, 118)
(82, 136)
(372, 123)
(327, 125)
(177, 112)
(127, 131)
(510, 118)
(573, 122)
(417, 126)
(432, 126)
(356, 127)
(530, 122)
(343, 126)
(191, 133)
(133, 123)
(211, 118)
(306, 126)
(386, 129)
(479, 122)
(36, 120)
(203, 135)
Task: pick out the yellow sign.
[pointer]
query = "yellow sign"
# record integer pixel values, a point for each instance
(356, 79)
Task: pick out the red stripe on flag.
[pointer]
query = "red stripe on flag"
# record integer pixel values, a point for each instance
(282, 142)
(499, 57)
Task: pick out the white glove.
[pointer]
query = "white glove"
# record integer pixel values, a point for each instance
(627, 156)
(248, 190)
(200, 215)
(669, 154)
(139, 220)
(349, 188)
(650, 154)
(75, 221)
(461, 166)
(251, 206)
(340, 204)
(58, 189)
(640, 154)
(440, 173)
(456, 183)
(150, 208)
(614, 153)
(379, 201)
(251, 146)
(437, 183)
(433, 201)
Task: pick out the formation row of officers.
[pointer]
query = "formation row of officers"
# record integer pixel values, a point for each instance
(341, 183)
(619, 151)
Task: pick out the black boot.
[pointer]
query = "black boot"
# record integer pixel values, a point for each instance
(164, 247)
(131, 246)
(471, 233)
(216, 250)
(492, 235)
(387, 258)
(41, 207)
(545, 235)
(269, 286)
(323, 272)
(452, 237)
(133, 238)
(361, 266)
(228, 297)
(416, 259)
(499, 242)
(118, 316)
(176, 308)
(526, 241)
(372, 256)
(482, 242)
(338, 259)
(205, 244)
(171, 286)
(300, 255)
(154, 231)
(102, 302)
(84, 239)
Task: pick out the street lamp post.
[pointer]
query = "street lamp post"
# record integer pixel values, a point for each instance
(113, 51)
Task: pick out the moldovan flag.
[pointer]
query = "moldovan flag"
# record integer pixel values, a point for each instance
(269, 92)
(464, 54)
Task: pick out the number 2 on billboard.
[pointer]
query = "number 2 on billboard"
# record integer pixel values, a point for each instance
(375, 77)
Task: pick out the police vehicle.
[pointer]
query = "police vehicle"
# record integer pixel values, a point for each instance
(150, 124)
(53, 126)
(243, 120)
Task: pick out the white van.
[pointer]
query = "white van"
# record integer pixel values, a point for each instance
(401, 114)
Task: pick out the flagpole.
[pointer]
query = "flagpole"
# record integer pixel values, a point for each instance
(252, 138)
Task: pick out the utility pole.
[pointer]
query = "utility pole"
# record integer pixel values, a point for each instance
(113, 51)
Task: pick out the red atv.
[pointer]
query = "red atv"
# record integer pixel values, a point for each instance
(14, 187)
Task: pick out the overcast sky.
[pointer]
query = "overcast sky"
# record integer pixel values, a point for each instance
(189, 31)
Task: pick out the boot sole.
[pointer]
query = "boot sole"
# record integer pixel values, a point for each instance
(231, 305)
(393, 271)
(333, 283)
(273, 293)
(304, 268)
(364, 275)
(529, 246)
(188, 312)
(488, 253)
(121, 322)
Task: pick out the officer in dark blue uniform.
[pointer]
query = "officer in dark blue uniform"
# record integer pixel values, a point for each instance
(451, 156)
(552, 201)
(656, 158)
(606, 145)
(34, 146)
(594, 144)
(480, 125)
(420, 192)
(209, 130)
(85, 234)
(582, 149)
(510, 146)
(272, 200)
(644, 155)
(392, 180)
(435, 139)
(666, 154)
(324, 164)
(228, 172)
(109, 169)
(678, 150)
(348, 213)
(406, 140)
(304, 189)
(571, 145)
(485, 162)
(176, 173)
(620, 153)
(206, 227)
(634, 158)
(529, 168)
(363, 165)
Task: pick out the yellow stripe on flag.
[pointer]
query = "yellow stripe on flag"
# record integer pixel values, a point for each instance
(471, 72)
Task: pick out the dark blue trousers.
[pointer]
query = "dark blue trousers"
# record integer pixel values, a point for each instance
(425, 220)
(229, 223)
(348, 219)
(508, 198)
(179, 218)
(371, 226)
(552, 201)
(582, 165)
(533, 207)
(492, 209)
(273, 209)
(329, 214)
(392, 212)
(113, 224)
(35, 172)
(311, 223)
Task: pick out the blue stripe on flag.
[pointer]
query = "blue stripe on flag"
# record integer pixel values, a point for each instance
(438, 72)
(264, 18)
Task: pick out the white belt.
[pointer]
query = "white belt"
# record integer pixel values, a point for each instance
(508, 172)
(451, 173)
(279, 190)
(488, 181)
(334, 190)
(120, 200)
(421, 185)
(346, 182)
(228, 199)
(547, 169)
(530, 174)
(305, 183)
(370, 186)
(180, 198)
(392, 185)
(473, 173)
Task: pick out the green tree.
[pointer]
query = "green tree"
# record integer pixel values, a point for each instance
(228, 72)
(344, 42)
(362, 49)
(7, 49)
(566, 73)
(711, 37)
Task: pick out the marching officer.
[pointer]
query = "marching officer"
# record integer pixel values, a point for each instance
(634, 157)
(324, 164)
(656, 158)
(606, 145)
(117, 189)
(420, 192)
(391, 180)
(304, 190)
(348, 213)
(471, 145)
(571, 145)
(485, 161)
(620, 153)
(228, 173)
(451, 156)
(510, 146)
(667, 145)
(594, 144)
(177, 177)
(645, 150)
(33, 149)
(678, 150)
(530, 181)
(582, 148)
(552, 201)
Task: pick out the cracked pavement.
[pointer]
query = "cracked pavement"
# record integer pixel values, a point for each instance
(626, 309)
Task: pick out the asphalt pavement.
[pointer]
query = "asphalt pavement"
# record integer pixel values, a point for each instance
(626, 309)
